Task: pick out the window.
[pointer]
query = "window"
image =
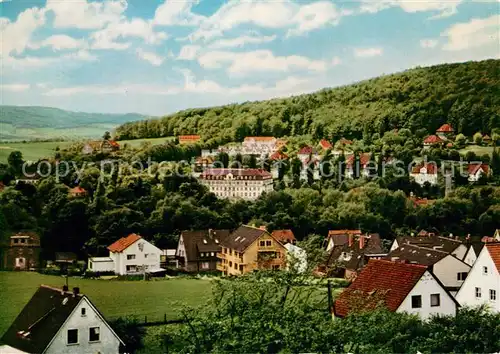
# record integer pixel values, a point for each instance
(94, 334)
(235, 265)
(416, 301)
(269, 243)
(72, 336)
(230, 263)
(212, 254)
(16, 240)
(130, 256)
(84, 312)
(205, 265)
(224, 250)
(461, 276)
(262, 243)
(485, 270)
(435, 300)
(241, 268)
(131, 268)
(276, 267)
(202, 254)
(493, 295)
(230, 252)
(23, 240)
(478, 293)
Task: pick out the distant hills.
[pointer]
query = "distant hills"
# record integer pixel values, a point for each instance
(32, 122)
(421, 99)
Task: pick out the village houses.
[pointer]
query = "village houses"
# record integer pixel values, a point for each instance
(189, 139)
(129, 255)
(477, 170)
(401, 287)
(104, 146)
(237, 183)
(58, 321)
(425, 173)
(482, 286)
(249, 248)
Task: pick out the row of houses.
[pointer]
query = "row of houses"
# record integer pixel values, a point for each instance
(424, 274)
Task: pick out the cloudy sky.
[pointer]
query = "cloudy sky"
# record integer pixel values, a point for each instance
(159, 56)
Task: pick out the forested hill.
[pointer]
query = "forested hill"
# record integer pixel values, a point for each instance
(33, 122)
(465, 94)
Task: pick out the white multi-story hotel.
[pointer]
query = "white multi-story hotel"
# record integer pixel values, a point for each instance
(237, 183)
(259, 145)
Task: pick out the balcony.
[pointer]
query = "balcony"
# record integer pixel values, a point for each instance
(221, 255)
(221, 267)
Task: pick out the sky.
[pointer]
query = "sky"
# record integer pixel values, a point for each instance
(159, 56)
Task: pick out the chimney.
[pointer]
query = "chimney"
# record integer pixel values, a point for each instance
(210, 233)
(351, 239)
(361, 242)
(76, 291)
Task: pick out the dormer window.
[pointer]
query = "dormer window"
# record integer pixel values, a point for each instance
(84, 312)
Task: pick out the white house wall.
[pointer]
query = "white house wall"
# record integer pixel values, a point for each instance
(470, 256)
(476, 279)
(460, 251)
(446, 271)
(426, 286)
(148, 257)
(108, 343)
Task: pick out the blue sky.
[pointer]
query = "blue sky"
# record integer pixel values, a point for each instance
(159, 56)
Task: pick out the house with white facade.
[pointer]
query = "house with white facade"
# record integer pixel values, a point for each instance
(450, 270)
(482, 286)
(60, 322)
(425, 172)
(306, 153)
(129, 255)
(237, 183)
(259, 145)
(477, 170)
(401, 287)
(365, 168)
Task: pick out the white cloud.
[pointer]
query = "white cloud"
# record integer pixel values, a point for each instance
(15, 87)
(59, 42)
(37, 62)
(428, 43)
(473, 34)
(298, 19)
(259, 60)
(86, 15)
(443, 8)
(16, 35)
(336, 61)
(189, 52)
(241, 41)
(150, 57)
(367, 52)
(175, 12)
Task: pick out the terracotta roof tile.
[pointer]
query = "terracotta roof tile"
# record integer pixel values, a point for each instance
(363, 159)
(124, 243)
(284, 236)
(278, 155)
(325, 144)
(494, 251)
(380, 280)
(472, 169)
(260, 138)
(433, 139)
(307, 150)
(445, 128)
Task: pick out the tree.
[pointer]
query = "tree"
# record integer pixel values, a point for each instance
(106, 136)
(222, 159)
(460, 140)
(130, 332)
(296, 168)
(15, 161)
(495, 162)
(478, 138)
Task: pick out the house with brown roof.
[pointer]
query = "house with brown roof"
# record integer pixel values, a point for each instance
(477, 170)
(77, 192)
(128, 256)
(100, 146)
(249, 248)
(284, 236)
(197, 250)
(189, 139)
(482, 286)
(22, 252)
(433, 140)
(399, 287)
(364, 169)
(347, 259)
(306, 153)
(448, 268)
(325, 145)
(425, 173)
(58, 321)
(340, 237)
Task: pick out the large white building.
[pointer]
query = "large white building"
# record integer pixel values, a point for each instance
(128, 255)
(59, 322)
(482, 286)
(237, 183)
(259, 145)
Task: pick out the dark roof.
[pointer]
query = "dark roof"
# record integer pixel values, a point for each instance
(42, 317)
(445, 244)
(380, 281)
(417, 255)
(202, 241)
(357, 260)
(241, 238)
(65, 257)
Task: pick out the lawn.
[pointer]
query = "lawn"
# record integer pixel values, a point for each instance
(478, 150)
(113, 298)
(35, 150)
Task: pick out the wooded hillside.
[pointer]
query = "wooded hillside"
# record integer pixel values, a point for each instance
(467, 95)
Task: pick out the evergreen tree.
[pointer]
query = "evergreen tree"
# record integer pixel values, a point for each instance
(495, 162)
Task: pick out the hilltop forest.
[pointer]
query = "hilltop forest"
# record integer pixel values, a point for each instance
(467, 95)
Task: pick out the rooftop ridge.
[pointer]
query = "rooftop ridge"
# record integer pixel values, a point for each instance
(391, 262)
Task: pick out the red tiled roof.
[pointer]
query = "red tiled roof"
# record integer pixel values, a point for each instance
(343, 232)
(325, 144)
(433, 139)
(278, 155)
(488, 239)
(380, 280)
(306, 150)
(284, 236)
(189, 137)
(431, 168)
(494, 251)
(124, 243)
(77, 190)
(420, 201)
(363, 159)
(236, 172)
(445, 128)
(449, 145)
(474, 168)
(345, 141)
(113, 143)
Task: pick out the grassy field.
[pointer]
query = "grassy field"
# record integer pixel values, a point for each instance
(33, 151)
(113, 298)
(478, 150)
